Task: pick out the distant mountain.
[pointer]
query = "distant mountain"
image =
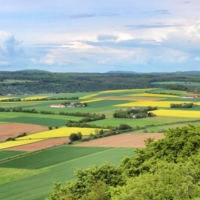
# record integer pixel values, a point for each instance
(121, 72)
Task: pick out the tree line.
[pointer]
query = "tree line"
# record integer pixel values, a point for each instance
(87, 117)
(35, 99)
(182, 105)
(135, 113)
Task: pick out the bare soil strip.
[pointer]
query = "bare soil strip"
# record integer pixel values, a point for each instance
(132, 98)
(40, 145)
(123, 140)
(14, 129)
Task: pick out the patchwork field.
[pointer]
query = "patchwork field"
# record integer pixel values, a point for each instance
(159, 104)
(123, 140)
(33, 166)
(50, 134)
(15, 129)
(9, 144)
(60, 132)
(38, 119)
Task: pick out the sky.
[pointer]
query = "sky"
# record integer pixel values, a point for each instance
(100, 36)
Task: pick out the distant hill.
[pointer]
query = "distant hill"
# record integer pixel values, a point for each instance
(40, 81)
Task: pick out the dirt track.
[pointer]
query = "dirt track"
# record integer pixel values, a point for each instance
(123, 140)
(15, 129)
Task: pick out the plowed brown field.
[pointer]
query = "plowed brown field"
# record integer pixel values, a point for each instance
(41, 145)
(123, 140)
(15, 129)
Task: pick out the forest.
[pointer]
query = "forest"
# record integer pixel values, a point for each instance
(40, 82)
(166, 169)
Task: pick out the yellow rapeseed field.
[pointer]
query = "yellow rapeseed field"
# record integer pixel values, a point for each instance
(34, 98)
(60, 132)
(9, 144)
(88, 96)
(153, 95)
(150, 103)
(4, 98)
(177, 113)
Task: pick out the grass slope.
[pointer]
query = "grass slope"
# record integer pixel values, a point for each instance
(7, 154)
(60, 164)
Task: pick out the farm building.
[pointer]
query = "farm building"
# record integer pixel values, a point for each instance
(57, 106)
(190, 96)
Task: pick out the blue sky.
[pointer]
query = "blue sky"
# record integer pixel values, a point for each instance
(100, 36)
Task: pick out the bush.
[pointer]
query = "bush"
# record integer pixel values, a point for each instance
(85, 139)
(73, 137)
(124, 126)
(21, 135)
(79, 135)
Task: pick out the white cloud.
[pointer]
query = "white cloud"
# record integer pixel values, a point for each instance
(8, 45)
(77, 46)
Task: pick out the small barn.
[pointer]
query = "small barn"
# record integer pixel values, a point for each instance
(190, 96)
(57, 106)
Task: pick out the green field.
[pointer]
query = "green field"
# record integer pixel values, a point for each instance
(52, 165)
(142, 122)
(39, 119)
(7, 154)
